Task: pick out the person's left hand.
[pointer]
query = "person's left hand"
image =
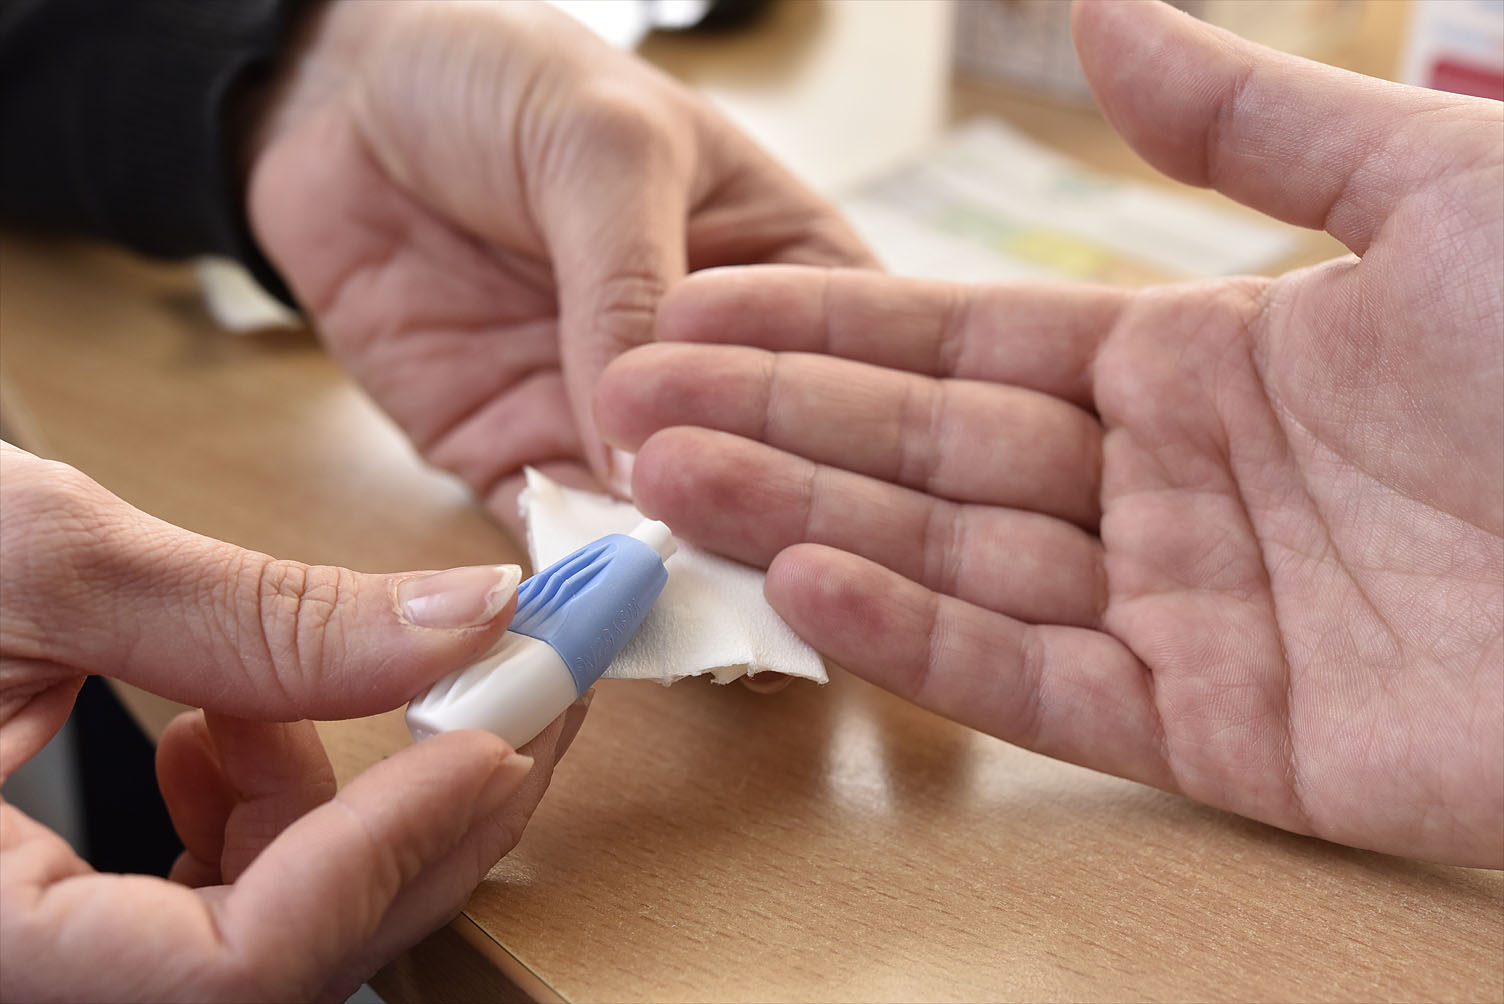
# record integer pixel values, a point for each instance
(286, 889)
(480, 206)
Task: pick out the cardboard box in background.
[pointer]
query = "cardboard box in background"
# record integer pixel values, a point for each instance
(1027, 43)
(1456, 45)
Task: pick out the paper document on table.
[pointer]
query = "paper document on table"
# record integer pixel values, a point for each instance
(989, 204)
(711, 617)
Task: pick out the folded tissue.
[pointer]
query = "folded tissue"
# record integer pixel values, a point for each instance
(711, 616)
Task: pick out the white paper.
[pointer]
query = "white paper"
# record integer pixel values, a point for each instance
(990, 204)
(711, 616)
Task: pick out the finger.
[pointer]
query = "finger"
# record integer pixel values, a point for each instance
(503, 500)
(69, 933)
(617, 239)
(444, 885)
(1042, 336)
(234, 784)
(319, 894)
(1066, 692)
(760, 212)
(279, 773)
(1307, 143)
(198, 798)
(961, 440)
(312, 901)
(36, 697)
(749, 501)
(111, 590)
(526, 424)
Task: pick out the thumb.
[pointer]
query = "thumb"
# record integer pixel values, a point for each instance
(1307, 143)
(96, 585)
(617, 238)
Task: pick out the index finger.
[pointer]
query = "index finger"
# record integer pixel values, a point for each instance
(1038, 335)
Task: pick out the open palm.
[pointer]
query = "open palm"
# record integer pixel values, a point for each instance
(480, 205)
(1242, 539)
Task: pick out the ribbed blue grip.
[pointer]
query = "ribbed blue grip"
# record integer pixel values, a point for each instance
(587, 605)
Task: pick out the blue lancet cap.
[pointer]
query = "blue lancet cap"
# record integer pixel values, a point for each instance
(587, 605)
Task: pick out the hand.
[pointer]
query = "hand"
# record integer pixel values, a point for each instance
(480, 205)
(1239, 539)
(286, 889)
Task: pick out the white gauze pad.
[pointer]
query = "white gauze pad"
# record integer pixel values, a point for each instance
(711, 616)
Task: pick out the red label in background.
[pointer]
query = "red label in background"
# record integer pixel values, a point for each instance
(1465, 78)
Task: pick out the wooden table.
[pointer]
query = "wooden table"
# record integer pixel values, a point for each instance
(704, 843)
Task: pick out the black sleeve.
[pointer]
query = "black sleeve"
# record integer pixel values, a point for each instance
(112, 119)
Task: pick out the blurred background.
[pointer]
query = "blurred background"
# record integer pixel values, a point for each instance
(960, 136)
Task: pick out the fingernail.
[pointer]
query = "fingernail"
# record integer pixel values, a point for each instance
(504, 780)
(621, 472)
(457, 597)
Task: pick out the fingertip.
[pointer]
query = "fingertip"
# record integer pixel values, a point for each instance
(1148, 75)
(496, 769)
(794, 582)
(482, 765)
(673, 472)
(731, 304)
(1095, 31)
(485, 750)
(194, 789)
(654, 473)
(737, 497)
(186, 731)
(1095, 23)
(614, 404)
(627, 395)
(1083, 27)
(692, 304)
(836, 600)
(505, 779)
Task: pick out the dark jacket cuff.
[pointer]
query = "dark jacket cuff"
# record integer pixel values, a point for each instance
(114, 121)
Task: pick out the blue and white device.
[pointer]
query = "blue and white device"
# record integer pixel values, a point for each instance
(572, 619)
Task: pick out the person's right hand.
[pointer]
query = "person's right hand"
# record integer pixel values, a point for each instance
(1242, 539)
(287, 889)
(480, 204)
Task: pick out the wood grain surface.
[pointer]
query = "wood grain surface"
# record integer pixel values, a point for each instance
(707, 843)
(703, 843)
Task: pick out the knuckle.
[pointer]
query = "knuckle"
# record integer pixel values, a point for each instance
(623, 124)
(295, 610)
(43, 499)
(58, 534)
(626, 305)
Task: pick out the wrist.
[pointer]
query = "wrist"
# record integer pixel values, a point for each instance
(316, 64)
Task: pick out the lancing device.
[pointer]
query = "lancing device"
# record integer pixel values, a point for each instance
(572, 619)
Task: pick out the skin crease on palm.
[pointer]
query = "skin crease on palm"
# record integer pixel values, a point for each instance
(1241, 539)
